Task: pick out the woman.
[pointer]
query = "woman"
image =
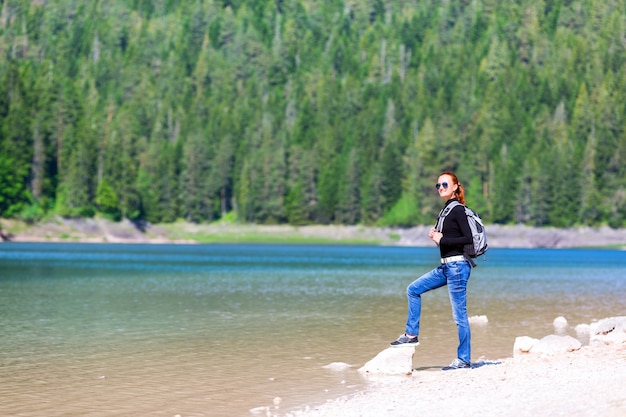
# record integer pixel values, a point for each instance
(454, 272)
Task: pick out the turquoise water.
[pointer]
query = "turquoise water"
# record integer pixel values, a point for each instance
(218, 330)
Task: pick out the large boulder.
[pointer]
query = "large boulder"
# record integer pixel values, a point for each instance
(608, 331)
(523, 344)
(554, 345)
(391, 361)
(548, 346)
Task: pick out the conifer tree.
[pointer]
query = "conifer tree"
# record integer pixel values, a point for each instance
(196, 193)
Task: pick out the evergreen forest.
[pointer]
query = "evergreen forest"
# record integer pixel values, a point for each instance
(313, 111)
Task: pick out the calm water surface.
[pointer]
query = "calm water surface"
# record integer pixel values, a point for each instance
(218, 330)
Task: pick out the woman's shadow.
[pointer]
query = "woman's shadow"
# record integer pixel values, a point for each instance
(474, 365)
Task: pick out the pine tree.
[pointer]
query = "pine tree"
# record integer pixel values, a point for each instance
(372, 196)
(349, 204)
(196, 193)
(220, 180)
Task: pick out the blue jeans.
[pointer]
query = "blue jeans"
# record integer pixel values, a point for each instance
(455, 275)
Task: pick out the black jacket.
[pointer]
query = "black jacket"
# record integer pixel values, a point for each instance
(456, 232)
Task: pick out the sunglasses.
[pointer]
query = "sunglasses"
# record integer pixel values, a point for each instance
(443, 184)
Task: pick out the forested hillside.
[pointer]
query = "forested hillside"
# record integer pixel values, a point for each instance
(313, 111)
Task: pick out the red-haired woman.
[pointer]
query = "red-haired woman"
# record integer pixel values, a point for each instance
(454, 271)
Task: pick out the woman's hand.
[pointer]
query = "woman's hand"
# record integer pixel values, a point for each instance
(435, 236)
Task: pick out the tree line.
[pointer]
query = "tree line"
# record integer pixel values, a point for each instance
(304, 111)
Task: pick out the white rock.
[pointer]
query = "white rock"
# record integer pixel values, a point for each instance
(260, 410)
(523, 344)
(560, 323)
(554, 344)
(336, 366)
(582, 331)
(608, 331)
(479, 320)
(391, 361)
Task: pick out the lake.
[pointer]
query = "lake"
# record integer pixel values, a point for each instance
(218, 330)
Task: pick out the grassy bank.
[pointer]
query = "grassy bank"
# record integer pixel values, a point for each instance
(102, 230)
(237, 233)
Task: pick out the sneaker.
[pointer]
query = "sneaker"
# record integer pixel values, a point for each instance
(405, 340)
(457, 364)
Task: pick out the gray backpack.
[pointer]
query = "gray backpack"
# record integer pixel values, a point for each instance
(480, 246)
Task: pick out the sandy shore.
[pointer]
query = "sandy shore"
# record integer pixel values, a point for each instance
(590, 381)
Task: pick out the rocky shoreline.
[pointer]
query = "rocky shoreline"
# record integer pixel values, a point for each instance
(99, 230)
(556, 376)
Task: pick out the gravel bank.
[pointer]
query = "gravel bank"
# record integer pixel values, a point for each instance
(102, 230)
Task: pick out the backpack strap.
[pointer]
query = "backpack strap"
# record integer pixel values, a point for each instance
(443, 213)
(469, 259)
